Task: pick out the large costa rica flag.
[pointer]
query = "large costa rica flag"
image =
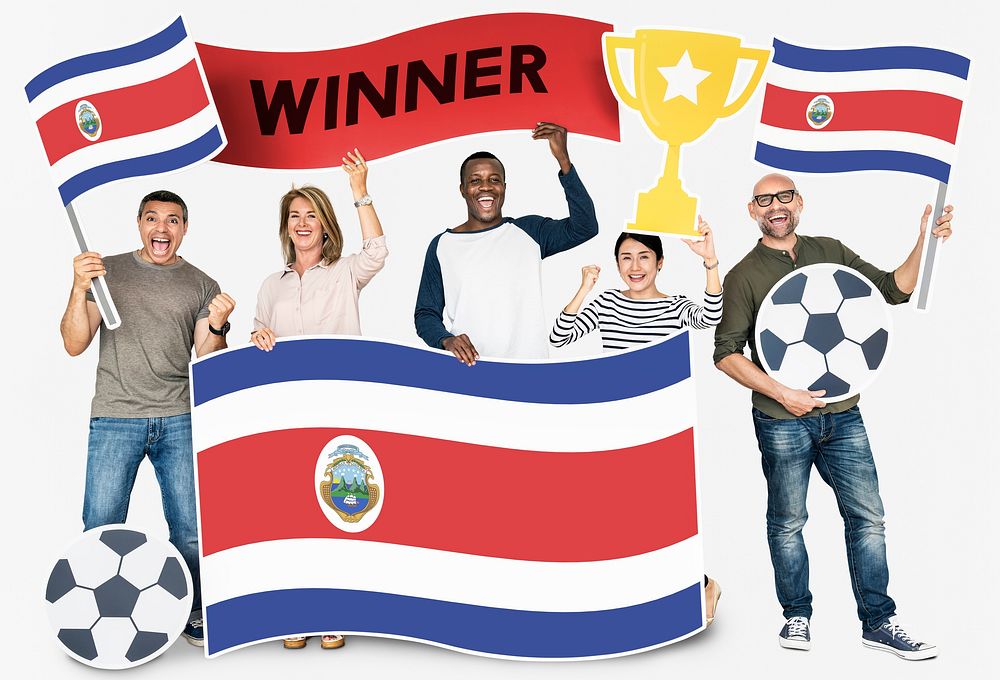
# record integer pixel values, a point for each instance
(544, 510)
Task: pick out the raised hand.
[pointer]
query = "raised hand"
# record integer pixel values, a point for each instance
(943, 228)
(590, 275)
(704, 248)
(556, 134)
(357, 170)
(219, 310)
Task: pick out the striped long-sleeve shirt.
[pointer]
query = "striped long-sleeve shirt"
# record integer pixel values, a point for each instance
(625, 323)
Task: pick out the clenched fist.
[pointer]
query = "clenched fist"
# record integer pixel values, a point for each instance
(590, 275)
(219, 310)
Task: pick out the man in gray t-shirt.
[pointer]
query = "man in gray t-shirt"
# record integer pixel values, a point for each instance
(141, 405)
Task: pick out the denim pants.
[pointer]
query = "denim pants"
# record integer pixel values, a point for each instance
(116, 447)
(837, 444)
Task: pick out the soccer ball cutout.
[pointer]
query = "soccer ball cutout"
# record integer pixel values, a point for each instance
(118, 597)
(824, 327)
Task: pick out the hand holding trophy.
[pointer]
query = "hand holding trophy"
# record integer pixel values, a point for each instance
(682, 82)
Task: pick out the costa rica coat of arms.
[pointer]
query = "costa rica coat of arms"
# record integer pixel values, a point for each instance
(349, 483)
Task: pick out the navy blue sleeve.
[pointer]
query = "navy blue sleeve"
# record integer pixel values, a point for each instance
(430, 300)
(555, 236)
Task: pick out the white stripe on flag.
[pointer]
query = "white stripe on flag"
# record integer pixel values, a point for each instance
(851, 140)
(450, 576)
(473, 420)
(135, 146)
(863, 81)
(118, 78)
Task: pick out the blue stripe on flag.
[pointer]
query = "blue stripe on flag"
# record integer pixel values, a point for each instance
(163, 161)
(617, 376)
(490, 630)
(101, 61)
(870, 59)
(849, 161)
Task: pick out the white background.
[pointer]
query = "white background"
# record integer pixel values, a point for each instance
(928, 414)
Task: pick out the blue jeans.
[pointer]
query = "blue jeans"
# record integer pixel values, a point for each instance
(837, 444)
(114, 451)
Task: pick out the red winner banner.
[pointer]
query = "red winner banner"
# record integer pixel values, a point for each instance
(304, 110)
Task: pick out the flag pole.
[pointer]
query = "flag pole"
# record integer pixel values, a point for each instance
(98, 286)
(931, 245)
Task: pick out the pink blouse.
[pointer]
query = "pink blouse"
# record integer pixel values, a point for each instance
(324, 299)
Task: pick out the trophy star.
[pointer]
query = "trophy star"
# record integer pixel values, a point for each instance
(683, 79)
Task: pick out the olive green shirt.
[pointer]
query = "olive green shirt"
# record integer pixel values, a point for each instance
(749, 282)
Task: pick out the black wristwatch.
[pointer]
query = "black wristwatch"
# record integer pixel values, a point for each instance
(220, 331)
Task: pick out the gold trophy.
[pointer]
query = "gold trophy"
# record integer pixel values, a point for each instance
(682, 81)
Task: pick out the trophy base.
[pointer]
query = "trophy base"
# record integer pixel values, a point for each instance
(667, 213)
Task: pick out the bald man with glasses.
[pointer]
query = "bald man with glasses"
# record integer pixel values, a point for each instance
(796, 429)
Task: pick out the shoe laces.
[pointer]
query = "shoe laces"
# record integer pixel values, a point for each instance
(897, 631)
(798, 626)
(196, 623)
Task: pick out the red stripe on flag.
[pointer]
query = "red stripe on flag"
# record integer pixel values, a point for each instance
(480, 500)
(482, 68)
(127, 111)
(926, 113)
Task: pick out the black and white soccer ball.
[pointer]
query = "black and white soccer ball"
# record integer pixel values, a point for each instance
(824, 327)
(118, 597)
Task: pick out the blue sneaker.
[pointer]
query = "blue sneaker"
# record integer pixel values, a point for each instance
(795, 634)
(890, 637)
(194, 631)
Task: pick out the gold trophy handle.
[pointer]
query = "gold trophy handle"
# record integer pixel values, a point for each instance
(611, 44)
(761, 57)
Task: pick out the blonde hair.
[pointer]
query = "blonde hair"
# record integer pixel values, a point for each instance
(333, 241)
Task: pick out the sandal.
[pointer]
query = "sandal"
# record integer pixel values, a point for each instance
(713, 591)
(332, 641)
(297, 642)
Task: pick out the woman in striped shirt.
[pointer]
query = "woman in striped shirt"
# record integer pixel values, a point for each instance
(642, 314)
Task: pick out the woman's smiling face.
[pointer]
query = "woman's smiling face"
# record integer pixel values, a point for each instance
(304, 226)
(637, 265)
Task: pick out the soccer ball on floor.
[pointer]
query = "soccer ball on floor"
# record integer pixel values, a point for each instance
(118, 597)
(824, 327)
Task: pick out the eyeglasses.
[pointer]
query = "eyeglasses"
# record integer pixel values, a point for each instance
(786, 196)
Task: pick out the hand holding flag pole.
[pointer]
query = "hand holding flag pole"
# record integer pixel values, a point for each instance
(97, 125)
(931, 249)
(98, 286)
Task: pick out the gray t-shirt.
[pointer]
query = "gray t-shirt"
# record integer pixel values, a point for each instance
(142, 371)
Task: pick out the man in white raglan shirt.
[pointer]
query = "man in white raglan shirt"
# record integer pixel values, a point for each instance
(480, 291)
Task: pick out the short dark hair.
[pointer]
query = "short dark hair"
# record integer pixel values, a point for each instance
(652, 242)
(479, 155)
(164, 196)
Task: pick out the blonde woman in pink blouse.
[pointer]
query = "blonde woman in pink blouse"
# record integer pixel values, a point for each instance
(317, 291)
